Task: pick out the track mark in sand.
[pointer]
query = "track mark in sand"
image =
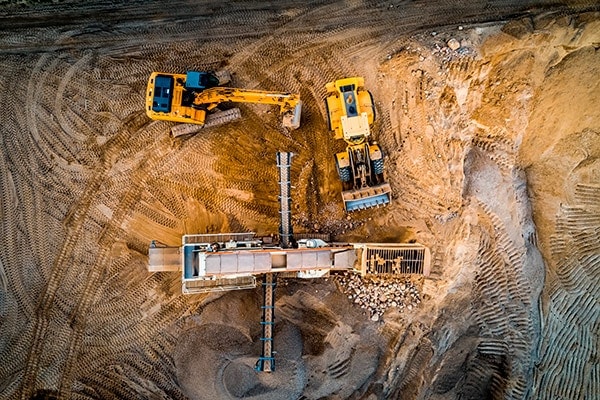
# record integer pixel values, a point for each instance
(571, 327)
(340, 368)
(76, 68)
(77, 221)
(503, 304)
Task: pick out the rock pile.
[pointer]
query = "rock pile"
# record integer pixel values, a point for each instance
(378, 293)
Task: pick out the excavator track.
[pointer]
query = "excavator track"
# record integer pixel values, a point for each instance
(214, 119)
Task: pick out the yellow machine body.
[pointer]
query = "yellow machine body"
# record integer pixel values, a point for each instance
(351, 112)
(350, 109)
(188, 98)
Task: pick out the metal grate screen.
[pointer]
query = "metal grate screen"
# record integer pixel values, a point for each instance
(394, 261)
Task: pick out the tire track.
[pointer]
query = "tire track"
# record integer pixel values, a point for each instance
(76, 222)
(108, 236)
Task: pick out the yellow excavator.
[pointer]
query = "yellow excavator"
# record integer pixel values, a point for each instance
(351, 113)
(192, 98)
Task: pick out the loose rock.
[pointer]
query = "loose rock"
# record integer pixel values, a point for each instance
(453, 44)
(379, 293)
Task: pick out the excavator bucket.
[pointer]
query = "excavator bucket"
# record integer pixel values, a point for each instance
(373, 196)
(291, 119)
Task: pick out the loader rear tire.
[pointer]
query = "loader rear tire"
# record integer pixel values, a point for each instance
(373, 107)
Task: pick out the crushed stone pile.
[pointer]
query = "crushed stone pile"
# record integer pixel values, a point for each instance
(378, 293)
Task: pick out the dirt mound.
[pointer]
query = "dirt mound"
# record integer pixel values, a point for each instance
(321, 347)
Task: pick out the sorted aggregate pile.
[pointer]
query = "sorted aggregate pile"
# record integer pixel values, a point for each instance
(378, 293)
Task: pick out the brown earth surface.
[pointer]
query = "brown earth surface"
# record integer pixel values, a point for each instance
(488, 114)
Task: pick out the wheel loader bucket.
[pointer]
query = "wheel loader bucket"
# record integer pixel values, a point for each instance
(360, 199)
(292, 119)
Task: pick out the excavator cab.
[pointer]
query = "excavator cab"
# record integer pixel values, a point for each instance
(193, 83)
(196, 80)
(163, 92)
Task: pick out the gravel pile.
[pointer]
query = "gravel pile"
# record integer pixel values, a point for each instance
(378, 293)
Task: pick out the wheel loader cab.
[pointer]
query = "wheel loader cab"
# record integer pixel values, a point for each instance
(349, 100)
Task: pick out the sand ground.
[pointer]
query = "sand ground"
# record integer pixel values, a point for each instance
(488, 114)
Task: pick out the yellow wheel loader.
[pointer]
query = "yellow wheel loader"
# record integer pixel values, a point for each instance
(351, 113)
(192, 98)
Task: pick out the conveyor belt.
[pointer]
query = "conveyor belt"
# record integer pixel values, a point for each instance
(266, 362)
(284, 160)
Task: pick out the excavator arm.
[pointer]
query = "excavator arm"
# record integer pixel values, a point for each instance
(289, 104)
